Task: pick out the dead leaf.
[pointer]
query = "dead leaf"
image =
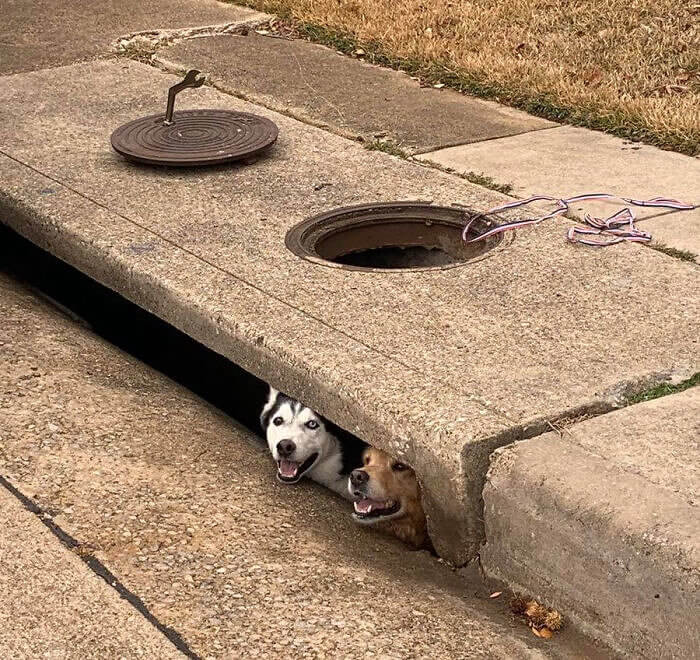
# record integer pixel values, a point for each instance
(359, 51)
(495, 594)
(535, 632)
(545, 633)
(439, 85)
(593, 77)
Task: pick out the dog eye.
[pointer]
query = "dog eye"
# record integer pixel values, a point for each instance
(399, 467)
(277, 421)
(312, 424)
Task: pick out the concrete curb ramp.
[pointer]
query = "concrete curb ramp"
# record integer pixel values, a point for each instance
(438, 368)
(603, 522)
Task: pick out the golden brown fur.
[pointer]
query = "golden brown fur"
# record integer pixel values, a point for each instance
(400, 486)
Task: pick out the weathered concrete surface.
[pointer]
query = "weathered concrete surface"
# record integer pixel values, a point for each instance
(603, 522)
(319, 86)
(568, 161)
(436, 367)
(43, 33)
(183, 506)
(53, 605)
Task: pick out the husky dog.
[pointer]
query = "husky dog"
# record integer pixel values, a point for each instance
(305, 444)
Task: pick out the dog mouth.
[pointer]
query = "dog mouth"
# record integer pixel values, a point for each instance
(289, 472)
(369, 509)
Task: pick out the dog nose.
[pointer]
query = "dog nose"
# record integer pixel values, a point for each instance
(358, 477)
(286, 447)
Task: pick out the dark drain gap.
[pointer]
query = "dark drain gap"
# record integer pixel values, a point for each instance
(396, 257)
(222, 383)
(215, 379)
(97, 567)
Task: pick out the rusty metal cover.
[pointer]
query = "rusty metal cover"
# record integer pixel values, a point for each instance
(194, 137)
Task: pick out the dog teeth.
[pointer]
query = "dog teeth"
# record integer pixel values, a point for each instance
(361, 508)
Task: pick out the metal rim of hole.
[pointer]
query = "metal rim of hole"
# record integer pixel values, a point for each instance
(340, 232)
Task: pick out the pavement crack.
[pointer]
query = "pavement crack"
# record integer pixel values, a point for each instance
(98, 568)
(315, 91)
(145, 43)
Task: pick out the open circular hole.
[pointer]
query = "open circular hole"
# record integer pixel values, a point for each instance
(391, 236)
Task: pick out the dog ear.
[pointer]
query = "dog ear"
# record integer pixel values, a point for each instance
(268, 407)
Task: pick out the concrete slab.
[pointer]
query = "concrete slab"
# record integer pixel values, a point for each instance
(437, 367)
(54, 606)
(568, 161)
(603, 522)
(350, 97)
(183, 506)
(45, 33)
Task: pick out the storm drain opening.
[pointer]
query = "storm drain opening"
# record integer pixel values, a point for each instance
(216, 379)
(392, 236)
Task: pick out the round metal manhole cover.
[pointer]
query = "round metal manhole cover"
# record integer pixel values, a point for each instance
(393, 236)
(194, 137)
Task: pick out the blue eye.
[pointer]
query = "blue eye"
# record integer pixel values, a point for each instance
(312, 424)
(277, 421)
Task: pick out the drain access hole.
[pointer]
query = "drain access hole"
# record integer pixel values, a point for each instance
(396, 257)
(391, 236)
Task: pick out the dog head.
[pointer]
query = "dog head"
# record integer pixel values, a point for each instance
(296, 435)
(385, 490)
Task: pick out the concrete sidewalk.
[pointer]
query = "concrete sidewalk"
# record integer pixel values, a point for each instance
(183, 506)
(568, 161)
(47, 33)
(441, 127)
(347, 96)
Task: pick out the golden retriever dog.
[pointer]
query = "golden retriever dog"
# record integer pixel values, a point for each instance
(386, 493)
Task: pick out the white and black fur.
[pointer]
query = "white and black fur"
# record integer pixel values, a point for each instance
(303, 443)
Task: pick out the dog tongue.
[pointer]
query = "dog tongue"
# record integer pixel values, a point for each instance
(288, 468)
(367, 505)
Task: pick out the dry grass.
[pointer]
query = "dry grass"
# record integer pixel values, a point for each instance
(631, 67)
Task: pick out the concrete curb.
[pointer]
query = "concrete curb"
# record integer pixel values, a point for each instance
(601, 522)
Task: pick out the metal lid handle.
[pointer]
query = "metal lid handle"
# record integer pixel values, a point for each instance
(190, 80)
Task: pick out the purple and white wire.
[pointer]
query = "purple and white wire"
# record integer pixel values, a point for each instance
(619, 227)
